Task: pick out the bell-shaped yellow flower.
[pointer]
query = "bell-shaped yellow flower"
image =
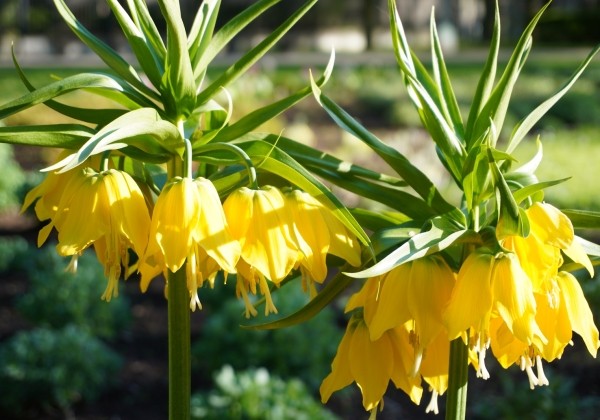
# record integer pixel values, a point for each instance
(188, 224)
(262, 224)
(419, 291)
(106, 209)
(368, 363)
(317, 232)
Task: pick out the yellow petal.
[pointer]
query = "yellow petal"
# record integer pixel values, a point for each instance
(580, 314)
(392, 309)
(403, 354)
(310, 231)
(340, 376)
(371, 364)
(212, 231)
(471, 299)
(553, 319)
(576, 252)
(550, 224)
(429, 290)
(176, 212)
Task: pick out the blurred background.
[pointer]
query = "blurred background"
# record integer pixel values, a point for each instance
(64, 353)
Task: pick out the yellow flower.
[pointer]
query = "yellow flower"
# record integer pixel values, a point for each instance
(562, 311)
(419, 291)
(369, 363)
(188, 224)
(260, 221)
(106, 209)
(487, 287)
(317, 232)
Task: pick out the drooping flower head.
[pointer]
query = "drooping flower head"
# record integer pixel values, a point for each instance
(317, 232)
(188, 225)
(260, 221)
(106, 209)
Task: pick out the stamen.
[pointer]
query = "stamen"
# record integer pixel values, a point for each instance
(433, 403)
(241, 290)
(482, 371)
(543, 380)
(417, 364)
(72, 267)
(526, 365)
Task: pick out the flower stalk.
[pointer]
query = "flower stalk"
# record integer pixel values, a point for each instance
(458, 379)
(179, 345)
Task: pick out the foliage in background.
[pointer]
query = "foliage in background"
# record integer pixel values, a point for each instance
(74, 297)
(12, 180)
(13, 251)
(254, 394)
(43, 368)
(304, 351)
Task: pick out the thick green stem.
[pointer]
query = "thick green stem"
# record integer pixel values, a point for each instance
(456, 400)
(179, 346)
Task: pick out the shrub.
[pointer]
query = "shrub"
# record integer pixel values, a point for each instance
(12, 179)
(57, 298)
(304, 351)
(13, 252)
(254, 394)
(54, 368)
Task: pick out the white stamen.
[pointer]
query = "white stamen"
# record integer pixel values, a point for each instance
(542, 379)
(482, 372)
(433, 403)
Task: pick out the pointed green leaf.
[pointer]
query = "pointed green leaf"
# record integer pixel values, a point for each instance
(251, 57)
(583, 219)
(486, 80)
(529, 190)
(102, 50)
(178, 85)
(256, 118)
(398, 162)
(528, 122)
(497, 104)
(66, 85)
(225, 34)
(141, 16)
(65, 136)
(419, 245)
(147, 58)
(143, 129)
(201, 34)
(90, 115)
(449, 103)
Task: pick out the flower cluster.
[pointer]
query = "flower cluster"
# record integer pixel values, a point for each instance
(515, 300)
(261, 235)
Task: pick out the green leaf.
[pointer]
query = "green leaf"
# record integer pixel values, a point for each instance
(332, 289)
(449, 103)
(102, 50)
(497, 104)
(66, 85)
(521, 129)
(419, 245)
(66, 136)
(201, 34)
(583, 219)
(90, 115)
(222, 38)
(377, 221)
(512, 219)
(256, 118)
(425, 95)
(178, 85)
(398, 162)
(141, 16)
(143, 129)
(529, 190)
(486, 80)
(149, 60)
(251, 57)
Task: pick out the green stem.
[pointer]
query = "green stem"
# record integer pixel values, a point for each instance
(456, 400)
(179, 346)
